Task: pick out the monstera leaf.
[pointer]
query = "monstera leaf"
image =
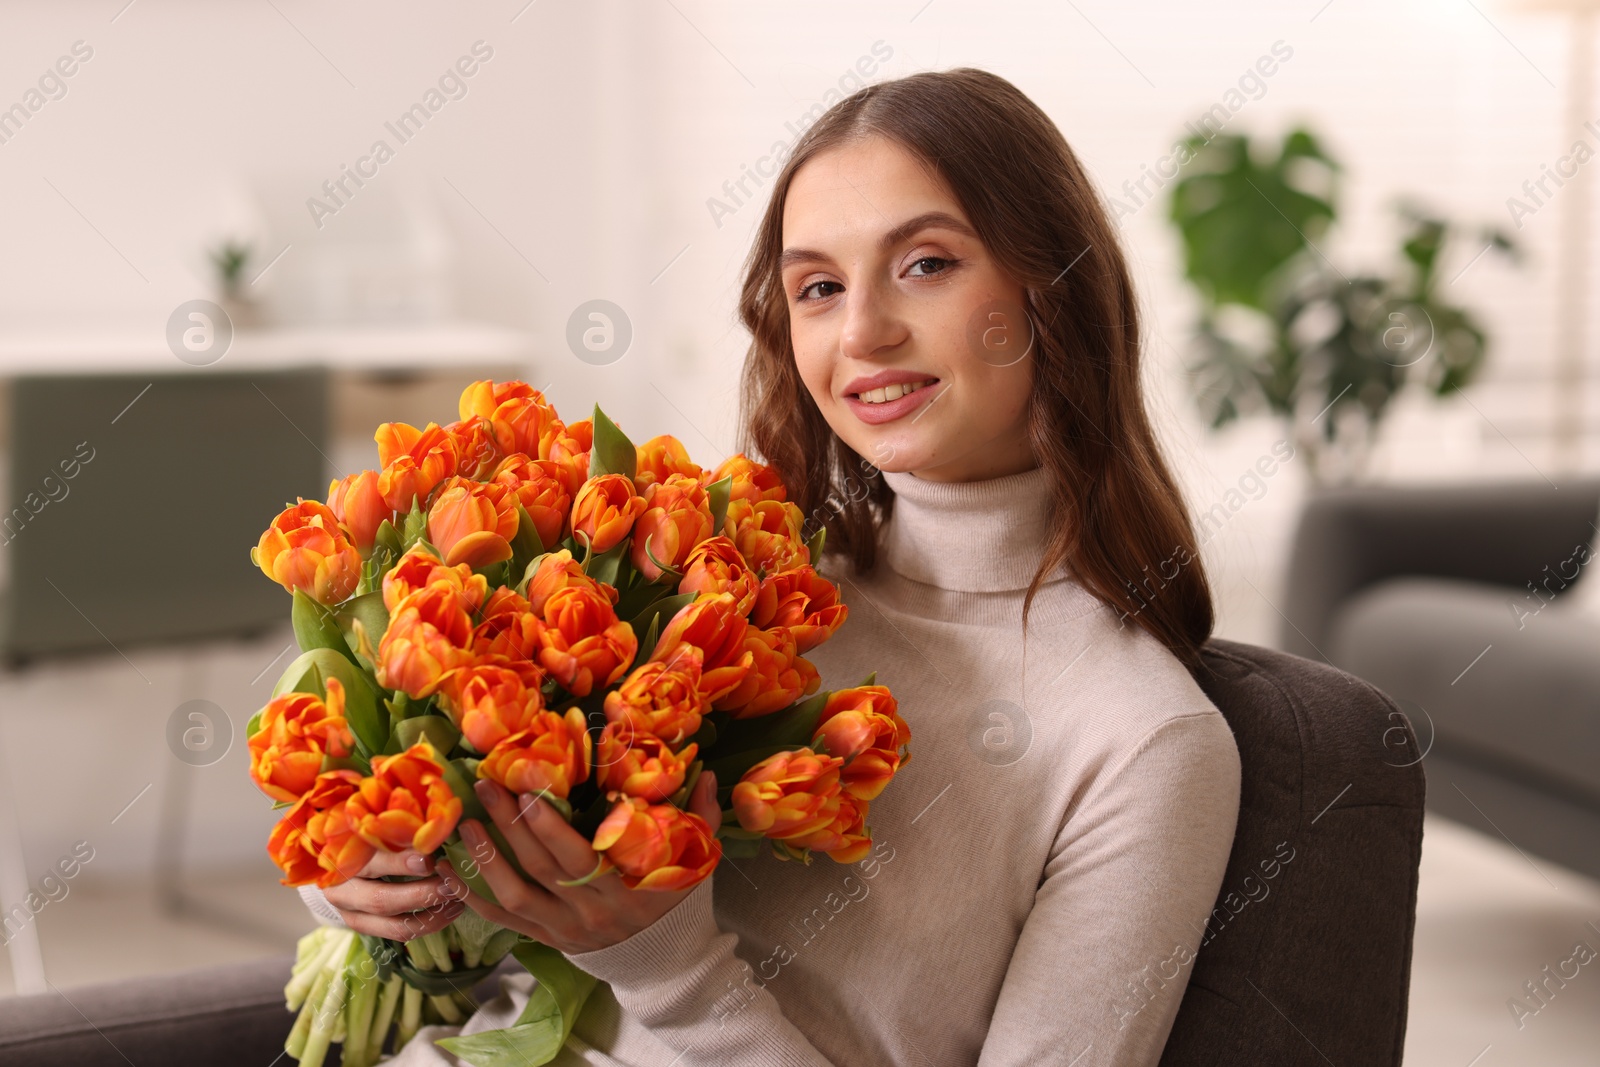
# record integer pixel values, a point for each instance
(1243, 219)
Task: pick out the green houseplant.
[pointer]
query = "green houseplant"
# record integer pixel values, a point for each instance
(1282, 329)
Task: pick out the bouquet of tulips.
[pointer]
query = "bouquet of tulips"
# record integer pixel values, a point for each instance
(545, 605)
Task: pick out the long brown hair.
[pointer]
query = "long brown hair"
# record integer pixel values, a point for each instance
(1117, 517)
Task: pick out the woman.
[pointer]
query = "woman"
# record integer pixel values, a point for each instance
(945, 371)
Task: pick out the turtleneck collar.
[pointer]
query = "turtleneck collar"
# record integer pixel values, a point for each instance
(969, 537)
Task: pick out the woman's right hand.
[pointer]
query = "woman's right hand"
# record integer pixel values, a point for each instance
(399, 911)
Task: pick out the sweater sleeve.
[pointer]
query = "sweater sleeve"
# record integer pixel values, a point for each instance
(325, 913)
(1110, 942)
(679, 976)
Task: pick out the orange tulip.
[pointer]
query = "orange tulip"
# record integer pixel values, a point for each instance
(518, 414)
(584, 645)
(472, 522)
(315, 840)
(509, 630)
(846, 838)
(752, 481)
(568, 447)
(660, 457)
(295, 732)
(767, 533)
(305, 549)
(715, 566)
(478, 449)
(657, 846)
(777, 676)
(489, 703)
(640, 764)
(675, 519)
(538, 485)
(359, 507)
(429, 637)
(802, 602)
(604, 510)
(714, 625)
(405, 802)
(413, 462)
(862, 726)
(558, 570)
(785, 795)
(419, 568)
(662, 697)
(552, 752)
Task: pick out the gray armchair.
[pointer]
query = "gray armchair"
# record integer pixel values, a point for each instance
(1449, 599)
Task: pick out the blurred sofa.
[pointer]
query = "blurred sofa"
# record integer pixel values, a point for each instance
(1458, 601)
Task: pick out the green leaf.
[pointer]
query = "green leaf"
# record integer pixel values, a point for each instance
(814, 546)
(791, 728)
(437, 730)
(1243, 219)
(717, 500)
(526, 545)
(307, 674)
(870, 679)
(740, 848)
(388, 538)
(545, 1023)
(607, 566)
(612, 452)
(316, 626)
(656, 615)
(367, 609)
(416, 526)
(459, 775)
(253, 725)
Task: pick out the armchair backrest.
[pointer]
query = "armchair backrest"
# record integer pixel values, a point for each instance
(1306, 959)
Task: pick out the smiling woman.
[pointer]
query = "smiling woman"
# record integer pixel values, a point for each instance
(937, 302)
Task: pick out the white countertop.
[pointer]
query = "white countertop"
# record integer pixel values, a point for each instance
(360, 347)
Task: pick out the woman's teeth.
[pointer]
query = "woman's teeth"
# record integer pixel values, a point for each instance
(892, 392)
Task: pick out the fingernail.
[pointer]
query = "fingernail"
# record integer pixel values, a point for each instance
(486, 791)
(471, 834)
(531, 806)
(418, 864)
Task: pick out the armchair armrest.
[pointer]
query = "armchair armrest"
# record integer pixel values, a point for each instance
(1502, 533)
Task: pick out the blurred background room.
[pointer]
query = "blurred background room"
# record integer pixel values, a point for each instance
(1372, 352)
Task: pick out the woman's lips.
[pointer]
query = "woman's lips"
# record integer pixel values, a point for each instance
(890, 410)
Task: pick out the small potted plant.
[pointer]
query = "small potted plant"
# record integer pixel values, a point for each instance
(230, 259)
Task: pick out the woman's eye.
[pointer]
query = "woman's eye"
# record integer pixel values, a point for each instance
(941, 265)
(802, 294)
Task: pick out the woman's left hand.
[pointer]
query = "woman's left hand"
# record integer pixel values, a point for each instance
(570, 919)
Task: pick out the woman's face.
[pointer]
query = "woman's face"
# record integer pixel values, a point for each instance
(908, 335)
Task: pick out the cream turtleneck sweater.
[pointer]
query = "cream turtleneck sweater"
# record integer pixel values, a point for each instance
(1042, 869)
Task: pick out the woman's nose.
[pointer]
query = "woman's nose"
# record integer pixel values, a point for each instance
(872, 323)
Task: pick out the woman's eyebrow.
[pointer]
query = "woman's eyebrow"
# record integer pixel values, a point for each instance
(898, 234)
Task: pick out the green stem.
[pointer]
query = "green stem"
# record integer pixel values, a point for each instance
(410, 1017)
(438, 946)
(295, 1045)
(358, 1023)
(329, 1011)
(388, 1002)
(305, 977)
(447, 1009)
